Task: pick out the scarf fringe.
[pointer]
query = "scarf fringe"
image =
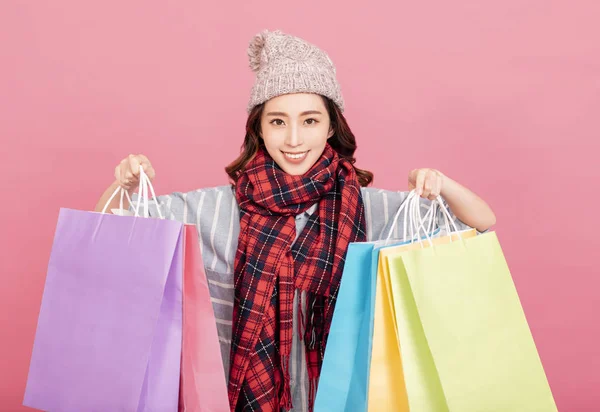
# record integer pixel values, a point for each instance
(310, 332)
(312, 394)
(285, 400)
(301, 316)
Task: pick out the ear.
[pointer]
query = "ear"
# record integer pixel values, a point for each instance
(331, 133)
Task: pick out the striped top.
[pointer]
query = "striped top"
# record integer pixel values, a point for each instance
(215, 213)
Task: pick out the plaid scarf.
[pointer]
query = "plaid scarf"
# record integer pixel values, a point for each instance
(268, 271)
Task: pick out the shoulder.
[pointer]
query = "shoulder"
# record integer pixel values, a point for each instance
(375, 196)
(207, 192)
(377, 191)
(188, 206)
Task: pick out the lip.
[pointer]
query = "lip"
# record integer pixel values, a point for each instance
(295, 160)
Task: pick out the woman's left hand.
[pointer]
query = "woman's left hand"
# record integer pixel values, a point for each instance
(427, 182)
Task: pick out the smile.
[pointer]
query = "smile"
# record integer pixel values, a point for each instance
(295, 156)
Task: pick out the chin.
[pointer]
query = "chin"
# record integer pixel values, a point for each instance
(295, 170)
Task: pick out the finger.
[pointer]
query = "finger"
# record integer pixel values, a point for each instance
(426, 193)
(150, 172)
(124, 183)
(118, 173)
(134, 165)
(428, 186)
(147, 166)
(434, 186)
(148, 169)
(420, 182)
(438, 185)
(121, 175)
(412, 176)
(412, 179)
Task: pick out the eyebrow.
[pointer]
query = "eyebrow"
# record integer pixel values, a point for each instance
(282, 114)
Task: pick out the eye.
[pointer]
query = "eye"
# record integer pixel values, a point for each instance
(311, 121)
(277, 122)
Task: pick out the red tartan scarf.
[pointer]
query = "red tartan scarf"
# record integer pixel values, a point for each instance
(268, 271)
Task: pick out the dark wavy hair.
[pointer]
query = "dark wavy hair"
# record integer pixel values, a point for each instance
(342, 141)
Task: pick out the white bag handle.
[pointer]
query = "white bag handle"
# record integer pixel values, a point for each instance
(412, 201)
(402, 207)
(446, 222)
(433, 210)
(447, 217)
(142, 196)
(123, 191)
(418, 222)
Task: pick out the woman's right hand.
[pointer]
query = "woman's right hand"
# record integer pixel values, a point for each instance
(127, 172)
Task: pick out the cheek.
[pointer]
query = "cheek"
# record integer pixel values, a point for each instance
(318, 136)
(272, 143)
(269, 138)
(317, 144)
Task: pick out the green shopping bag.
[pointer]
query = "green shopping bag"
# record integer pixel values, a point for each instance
(460, 304)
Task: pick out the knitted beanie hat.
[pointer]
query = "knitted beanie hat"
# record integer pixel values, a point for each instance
(286, 64)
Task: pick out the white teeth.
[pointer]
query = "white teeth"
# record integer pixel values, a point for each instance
(295, 155)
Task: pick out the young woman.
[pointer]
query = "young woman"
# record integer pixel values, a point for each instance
(274, 241)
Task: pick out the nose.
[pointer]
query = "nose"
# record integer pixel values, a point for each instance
(293, 138)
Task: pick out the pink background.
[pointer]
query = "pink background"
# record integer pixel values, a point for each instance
(503, 96)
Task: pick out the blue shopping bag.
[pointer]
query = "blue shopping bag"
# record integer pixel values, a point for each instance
(344, 378)
(343, 383)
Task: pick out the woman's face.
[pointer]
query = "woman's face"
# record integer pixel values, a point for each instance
(295, 128)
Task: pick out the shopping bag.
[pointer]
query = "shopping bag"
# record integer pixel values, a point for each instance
(459, 315)
(109, 330)
(344, 379)
(203, 383)
(387, 390)
(403, 382)
(387, 386)
(345, 370)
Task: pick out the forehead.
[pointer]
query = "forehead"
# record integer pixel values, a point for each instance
(294, 103)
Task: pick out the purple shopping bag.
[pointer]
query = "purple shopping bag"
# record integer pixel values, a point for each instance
(109, 330)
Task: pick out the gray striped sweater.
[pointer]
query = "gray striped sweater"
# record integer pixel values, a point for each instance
(215, 213)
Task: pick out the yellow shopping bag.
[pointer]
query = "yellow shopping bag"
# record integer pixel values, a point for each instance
(386, 379)
(465, 342)
(387, 387)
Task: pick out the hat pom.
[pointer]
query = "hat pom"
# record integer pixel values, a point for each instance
(256, 51)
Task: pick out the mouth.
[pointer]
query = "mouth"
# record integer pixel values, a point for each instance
(295, 157)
